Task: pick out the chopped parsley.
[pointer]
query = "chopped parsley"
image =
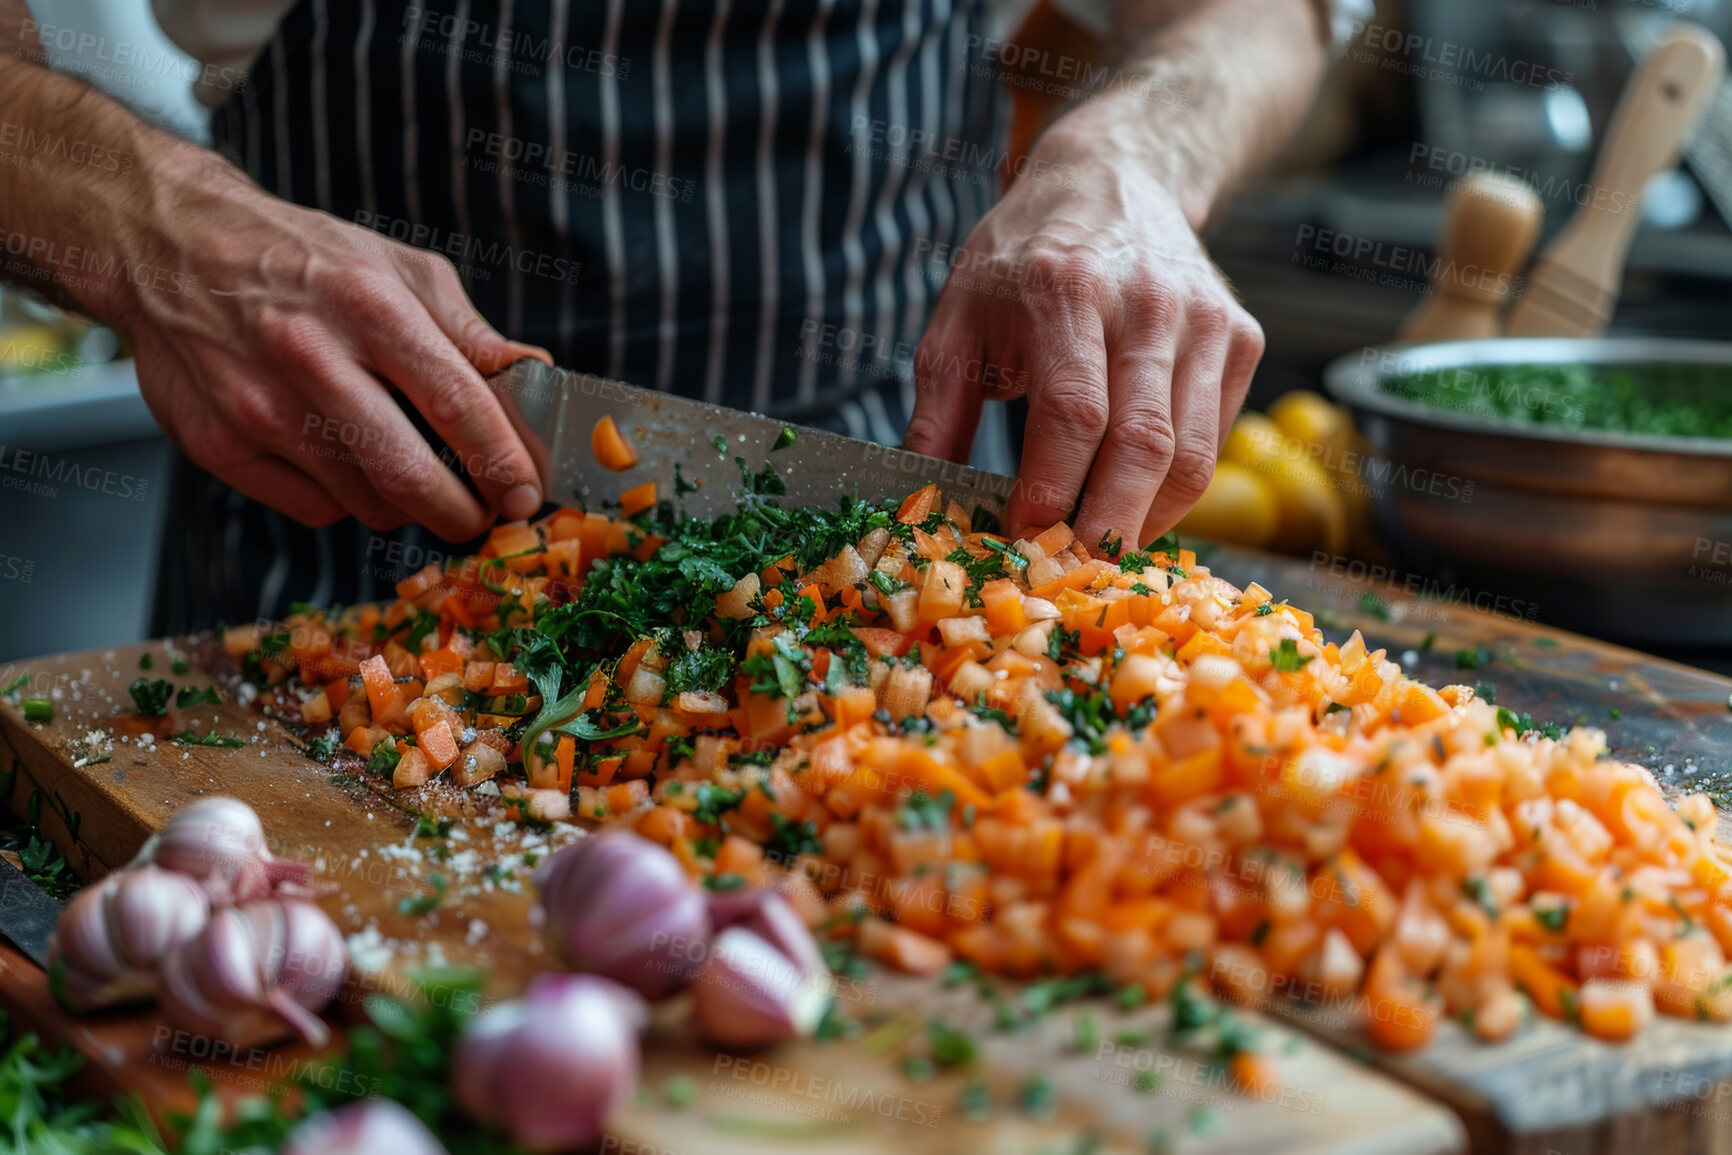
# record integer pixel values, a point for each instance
(151, 698)
(189, 738)
(384, 757)
(1474, 659)
(1286, 658)
(414, 906)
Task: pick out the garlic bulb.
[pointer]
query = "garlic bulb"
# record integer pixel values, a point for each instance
(370, 1127)
(220, 842)
(113, 936)
(255, 967)
(620, 906)
(549, 1068)
(750, 994)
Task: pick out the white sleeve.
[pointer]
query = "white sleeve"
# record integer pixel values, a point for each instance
(1341, 17)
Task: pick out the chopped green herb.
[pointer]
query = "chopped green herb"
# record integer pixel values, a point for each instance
(950, 1047)
(1477, 658)
(151, 697)
(1085, 1036)
(918, 1068)
(1286, 658)
(384, 757)
(414, 906)
(975, 1102)
(37, 709)
(1037, 1099)
(191, 738)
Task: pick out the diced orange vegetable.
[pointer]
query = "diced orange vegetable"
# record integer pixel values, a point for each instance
(610, 447)
(1107, 769)
(637, 499)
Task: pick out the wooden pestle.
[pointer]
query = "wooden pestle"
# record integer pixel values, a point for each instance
(1489, 224)
(1574, 286)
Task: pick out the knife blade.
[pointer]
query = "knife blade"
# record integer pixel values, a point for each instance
(712, 445)
(27, 913)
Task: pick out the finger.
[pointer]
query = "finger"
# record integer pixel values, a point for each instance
(436, 282)
(422, 361)
(395, 463)
(1068, 411)
(1138, 447)
(946, 400)
(532, 438)
(338, 471)
(286, 489)
(1243, 355)
(1196, 430)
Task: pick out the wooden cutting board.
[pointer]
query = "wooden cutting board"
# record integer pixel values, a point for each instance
(1550, 1088)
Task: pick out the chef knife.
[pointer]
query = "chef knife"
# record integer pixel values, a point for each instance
(700, 453)
(27, 913)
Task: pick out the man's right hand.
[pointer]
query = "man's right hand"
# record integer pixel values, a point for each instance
(267, 337)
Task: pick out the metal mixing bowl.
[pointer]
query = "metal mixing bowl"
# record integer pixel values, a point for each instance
(1617, 535)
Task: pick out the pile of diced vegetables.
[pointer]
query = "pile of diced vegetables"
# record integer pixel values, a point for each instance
(1033, 758)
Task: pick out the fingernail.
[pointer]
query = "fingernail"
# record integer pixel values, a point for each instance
(535, 351)
(521, 503)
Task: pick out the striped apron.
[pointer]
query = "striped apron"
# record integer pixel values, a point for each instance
(751, 201)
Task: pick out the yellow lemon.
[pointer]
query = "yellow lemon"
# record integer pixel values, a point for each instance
(1310, 511)
(1254, 442)
(1327, 433)
(1236, 508)
(1311, 420)
(30, 347)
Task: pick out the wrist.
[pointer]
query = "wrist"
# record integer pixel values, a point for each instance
(159, 223)
(1122, 129)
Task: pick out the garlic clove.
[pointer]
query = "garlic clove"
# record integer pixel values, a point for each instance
(370, 1127)
(220, 842)
(113, 936)
(276, 960)
(620, 906)
(152, 910)
(478, 1059)
(82, 939)
(749, 994)
(550, 1068)
(309, 966)
(770, 916)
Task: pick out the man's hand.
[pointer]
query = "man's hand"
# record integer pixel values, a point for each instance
(269, 367)
(1087, 288)
(267, 336)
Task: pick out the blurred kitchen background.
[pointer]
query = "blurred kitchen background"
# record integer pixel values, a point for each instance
(1372, 162)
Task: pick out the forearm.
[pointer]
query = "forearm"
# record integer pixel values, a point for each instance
(1206, 94)
(88, 186)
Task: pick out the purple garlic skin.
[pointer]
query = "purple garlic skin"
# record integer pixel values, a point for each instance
(370, 1127)
(620, 906)
(113, 937)
(769, 916)
(750, 994)
(220, 842)
(551, 1067)
(254, 969)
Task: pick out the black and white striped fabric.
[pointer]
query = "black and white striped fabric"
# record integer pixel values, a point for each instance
(751, 201)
